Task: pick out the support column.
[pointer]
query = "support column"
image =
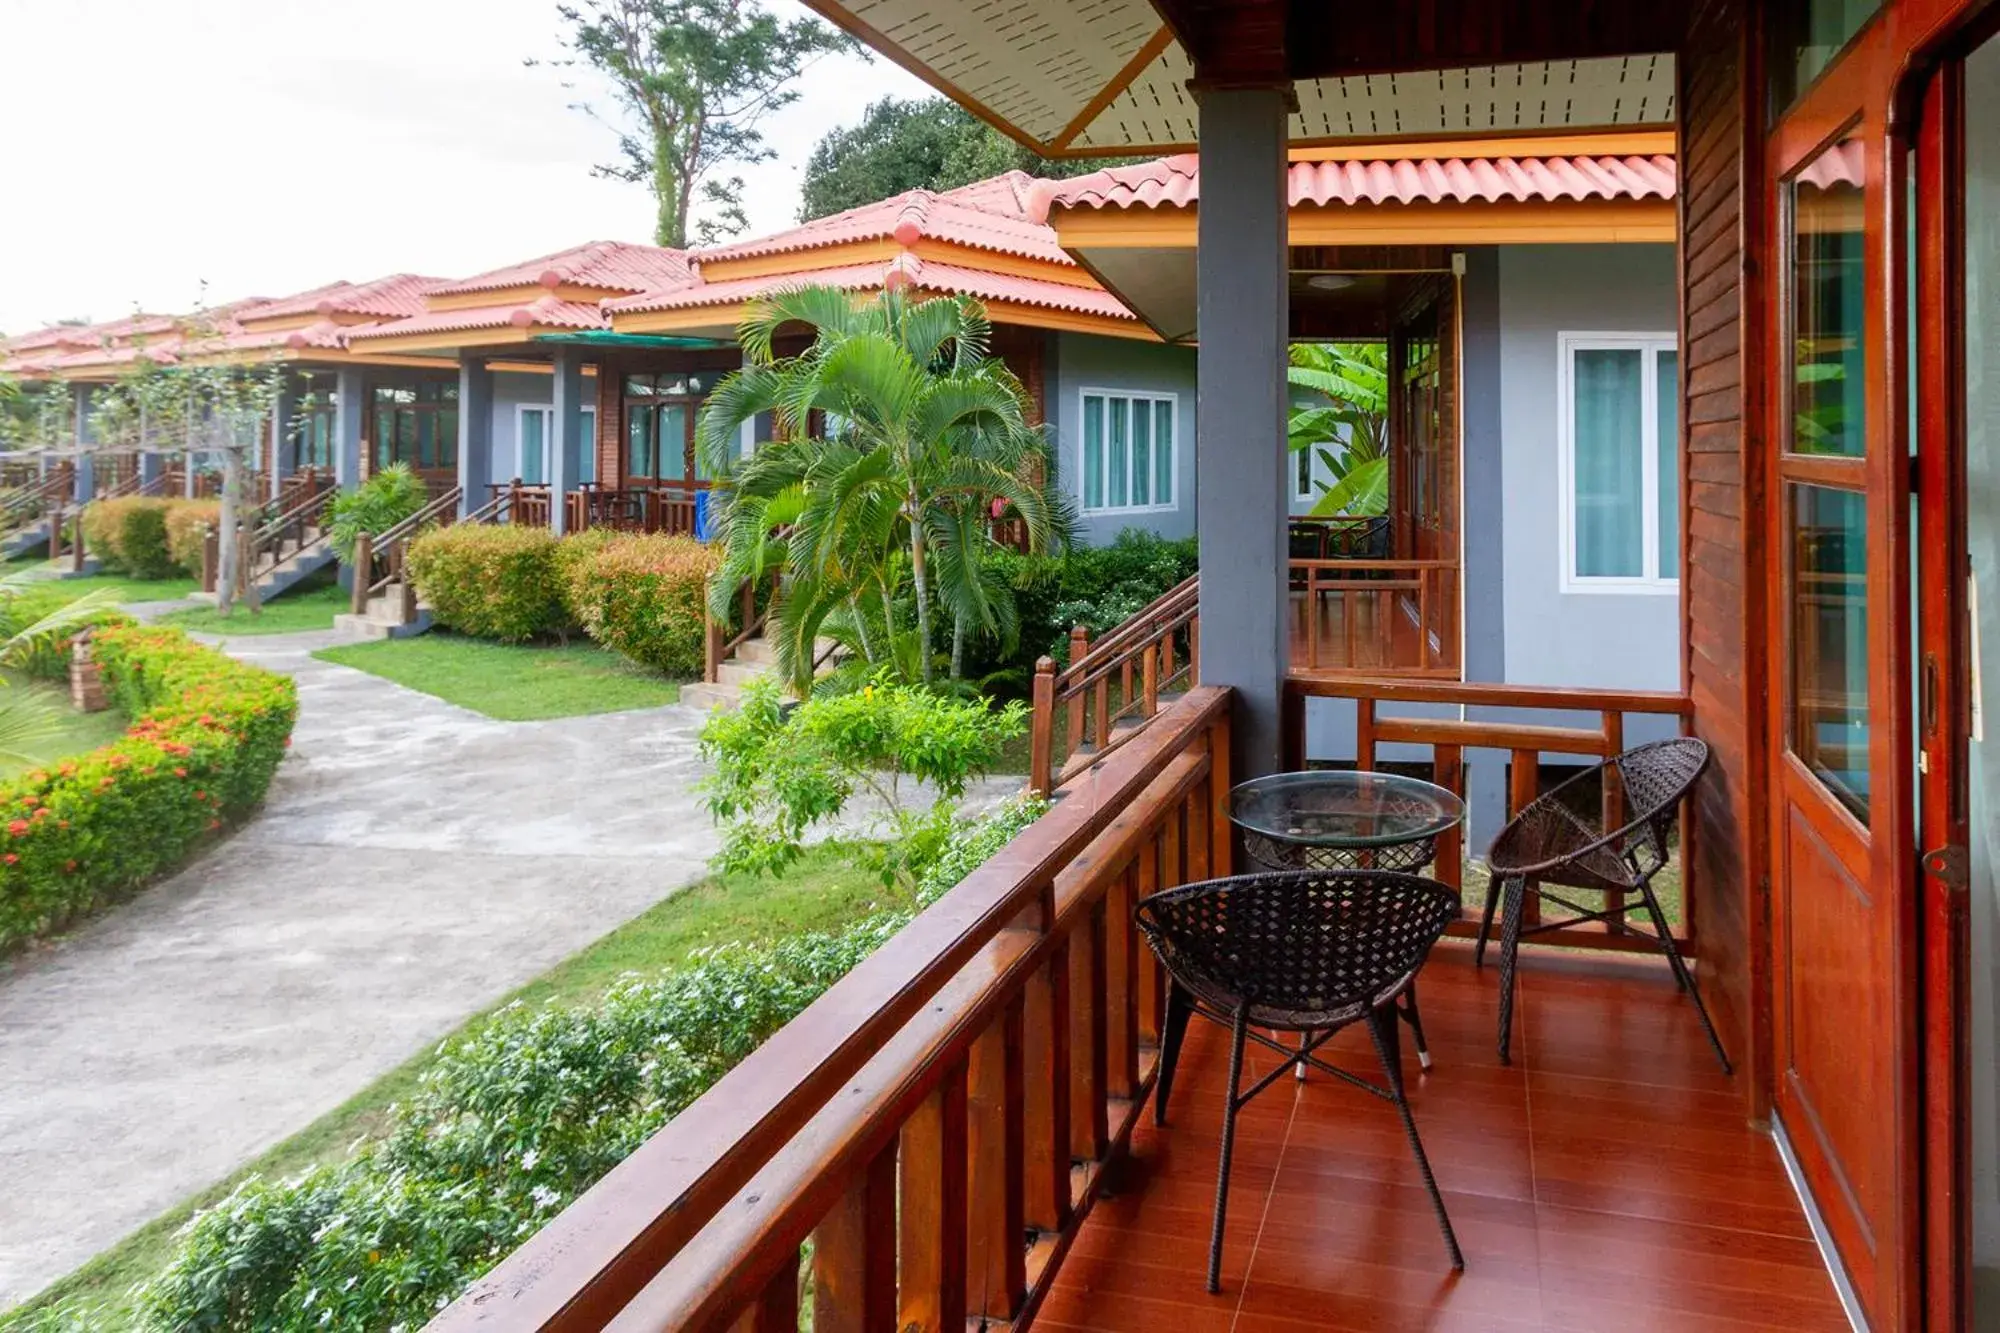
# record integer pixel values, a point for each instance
(475, 432)
(350, 393)
(282, 413)
(1241, 268)
(566, 449)
(84, 485)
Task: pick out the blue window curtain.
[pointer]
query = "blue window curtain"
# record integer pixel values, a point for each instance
(1093, 452)
(1117, 456)
(1163, 452)
(1667, 415)
(535, 446)
(1608, 438)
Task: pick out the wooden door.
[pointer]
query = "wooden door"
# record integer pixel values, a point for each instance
(1843, 936)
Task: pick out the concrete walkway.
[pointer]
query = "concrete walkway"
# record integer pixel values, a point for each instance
(415, 862)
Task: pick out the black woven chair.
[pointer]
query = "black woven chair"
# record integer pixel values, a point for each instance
(1559, 840)
(1310, 952)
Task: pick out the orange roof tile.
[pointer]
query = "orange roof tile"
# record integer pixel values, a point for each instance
(392, 297)
(906, 270)
(610, 265)
(1175, 182)
(987, 215)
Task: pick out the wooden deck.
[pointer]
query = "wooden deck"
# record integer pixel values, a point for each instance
(1604, 1181)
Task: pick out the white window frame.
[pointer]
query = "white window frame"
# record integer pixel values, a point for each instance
(1172, 503)
(548, 410)
(1655, 582)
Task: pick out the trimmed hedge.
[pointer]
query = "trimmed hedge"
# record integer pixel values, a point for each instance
(495, 582)
(188, 523)
(206, 737)
(643, 597)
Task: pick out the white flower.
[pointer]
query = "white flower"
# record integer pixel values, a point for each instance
(529, 1158)
(543, 1196)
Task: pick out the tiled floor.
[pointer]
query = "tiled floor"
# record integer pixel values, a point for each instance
(1605, 1181)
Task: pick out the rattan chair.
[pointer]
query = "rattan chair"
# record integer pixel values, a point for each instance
(1560, 840)
(1299, 951)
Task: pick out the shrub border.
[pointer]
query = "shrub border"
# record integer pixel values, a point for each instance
(206, 737)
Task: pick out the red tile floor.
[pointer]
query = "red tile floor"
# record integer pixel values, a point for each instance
(1605, 1181)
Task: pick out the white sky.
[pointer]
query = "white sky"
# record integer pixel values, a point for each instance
(264, 147)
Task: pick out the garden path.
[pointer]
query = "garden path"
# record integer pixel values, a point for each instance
(414, 862)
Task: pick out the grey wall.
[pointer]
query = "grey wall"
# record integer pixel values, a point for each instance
(1611, 640)
(510, 390)
(1086, 361)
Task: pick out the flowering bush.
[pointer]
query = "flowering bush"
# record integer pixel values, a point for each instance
(507, 1127)
(643, 597)
(206, 736)
(188, 523)
(494, 582)
(130, 534)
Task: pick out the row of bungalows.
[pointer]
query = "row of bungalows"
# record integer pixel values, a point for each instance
(1525, 289)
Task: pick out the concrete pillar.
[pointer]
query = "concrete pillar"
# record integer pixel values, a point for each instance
(281, 445)
(1241, 267)
(84, 484)
(475, 432)
(1485, 547)
(350, 396)
(566, 421)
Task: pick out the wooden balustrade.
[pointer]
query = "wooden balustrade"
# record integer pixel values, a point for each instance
(1376, 615)
(1112, 688)
(937, 1123)
(31, 502)
(1524, 743)
(380, 559)
(718, 643)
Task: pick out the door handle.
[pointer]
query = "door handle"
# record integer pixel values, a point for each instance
(1950, 866)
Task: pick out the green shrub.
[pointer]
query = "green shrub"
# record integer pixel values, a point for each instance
(206, 736)
(493, 582)
(129, 534)
(376, 505)
(572, 553)
(507, 1127)
(188, 525)
(643, 597)
(781, 772)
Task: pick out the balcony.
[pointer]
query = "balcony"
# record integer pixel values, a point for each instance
(958, 1133)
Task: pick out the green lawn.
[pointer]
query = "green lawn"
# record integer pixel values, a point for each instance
(79, 733)
(511, 682)
(820, 893)
(128, 588)
(310, 608)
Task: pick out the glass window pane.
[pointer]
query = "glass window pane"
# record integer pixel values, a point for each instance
(1117, 458)
(1819, 28)
(1667, 415)
(1829, 703)
(673, 443)
(1828, 386)
(1142, 452)
(1163, 453)
(1609, 445)
(447, 437)
(638, 440)
(1093, 453)
(586, 463)
(534, 446)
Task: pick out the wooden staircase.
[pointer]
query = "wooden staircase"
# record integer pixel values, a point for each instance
(280, 544)
(752, 659)
(385, 604)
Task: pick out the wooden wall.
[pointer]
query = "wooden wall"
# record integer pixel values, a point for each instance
(1722, 586)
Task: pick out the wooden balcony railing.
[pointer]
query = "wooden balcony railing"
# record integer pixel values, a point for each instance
(936, 1122)
(28, 503)
(1112, 688)
(379, 558)
(1524, 743)
(1376, 616)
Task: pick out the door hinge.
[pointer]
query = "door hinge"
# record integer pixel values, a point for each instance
(1950, 866)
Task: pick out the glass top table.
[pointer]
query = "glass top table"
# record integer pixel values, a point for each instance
(1334, 819)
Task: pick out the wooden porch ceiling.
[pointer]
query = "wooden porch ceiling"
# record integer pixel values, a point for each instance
(1605, 1180)
(1117, 76)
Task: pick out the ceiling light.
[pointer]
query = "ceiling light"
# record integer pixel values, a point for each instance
(1329, 282)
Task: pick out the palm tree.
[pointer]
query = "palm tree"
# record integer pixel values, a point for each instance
(1354, 379)
(922, 438)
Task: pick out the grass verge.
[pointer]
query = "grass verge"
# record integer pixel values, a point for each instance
(127, 588)
(313, 608)
(512, 682)
(80, 732)
(822, 892)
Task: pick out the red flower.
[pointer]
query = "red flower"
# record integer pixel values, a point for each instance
(180, 772)
(31, 801)
(288, 742)
(214, 824)
(62, 823)
(69, 867)
(12, 859)
(42, 813)
(201, 796)
(18, 828)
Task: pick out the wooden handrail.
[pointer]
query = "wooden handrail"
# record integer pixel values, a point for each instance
(716, 649)
(929, 1118)
(1523, 742)
(380, 557)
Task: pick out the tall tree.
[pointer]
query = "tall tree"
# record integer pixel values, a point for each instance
(692, 80)
(911, 144)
